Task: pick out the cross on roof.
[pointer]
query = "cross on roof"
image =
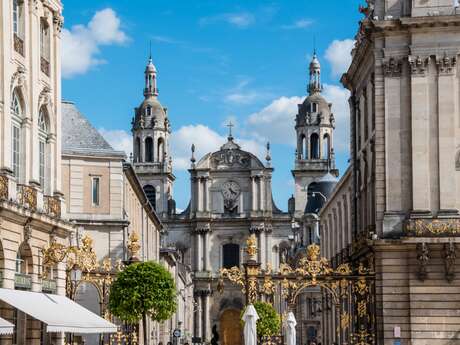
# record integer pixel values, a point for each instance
(230, 126)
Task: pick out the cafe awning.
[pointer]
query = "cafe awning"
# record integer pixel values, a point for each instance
(59, 313)
(6, 327)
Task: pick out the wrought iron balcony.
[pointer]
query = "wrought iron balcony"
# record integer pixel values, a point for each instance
(49, 285)
(22, 281)
(52, 206)
(18, 44)
(45, 66)
(27, 196)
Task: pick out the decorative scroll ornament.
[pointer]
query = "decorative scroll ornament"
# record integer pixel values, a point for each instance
(251, 247)
(134, 245)
(433, 227)
(392, 67)
(449, 260)
(446, 64)
(423, 256)
(418, 65)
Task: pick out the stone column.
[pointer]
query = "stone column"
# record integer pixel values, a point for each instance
(263, 248)
(262, 193)
(199, 194)
(198, 315)
(207, 316)
(420, 135)
(253, 193)
(207, 203)
(198, 251)
(448, 106)
(207, 249)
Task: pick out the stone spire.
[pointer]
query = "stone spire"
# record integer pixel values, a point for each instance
(315, 76)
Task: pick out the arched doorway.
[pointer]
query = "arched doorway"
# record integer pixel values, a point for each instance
(231, 330)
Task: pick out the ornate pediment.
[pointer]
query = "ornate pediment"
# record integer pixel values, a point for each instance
(228, 159)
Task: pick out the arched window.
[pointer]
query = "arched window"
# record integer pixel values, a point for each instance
(18, 18)
(314, 146)
(17, 115)
(149, 149)
(230, 255)
(326, 146)
(45, 47)
(303, 147)
(148, 110)
(161, 150)
(24, 260)
(151, 194)
(43, 146)
(137, 150)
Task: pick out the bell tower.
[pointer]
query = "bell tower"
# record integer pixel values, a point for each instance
(315, 124)
(151, 154)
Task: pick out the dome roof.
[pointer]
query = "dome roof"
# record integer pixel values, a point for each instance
(156, 113)
(318, 192)
(150, 67)
(314, 64)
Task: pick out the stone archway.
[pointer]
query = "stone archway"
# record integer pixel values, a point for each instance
(231, 330)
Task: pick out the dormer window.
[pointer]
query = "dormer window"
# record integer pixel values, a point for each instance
(314, 107)
(148, 111)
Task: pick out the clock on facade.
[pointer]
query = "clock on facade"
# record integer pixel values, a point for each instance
(231, 190)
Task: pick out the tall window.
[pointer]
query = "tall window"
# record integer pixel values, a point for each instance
(314, 146)
(42, 145)
(149, 150)
(95, 191)
(18, 13)
(326, 146)
(19, 263)
(151, 194)
(161, 150)
(16, 123)
(137, 151)
(231, 255)
(45, 39)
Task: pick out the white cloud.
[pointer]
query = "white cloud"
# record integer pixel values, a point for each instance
(81, 44)
(240, 20)
(119, 139)
(298, 24)
(339, 55)
(206, 140)
(276, 121)
(242, 95)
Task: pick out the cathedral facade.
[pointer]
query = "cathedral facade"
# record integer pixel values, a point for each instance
(231, 198)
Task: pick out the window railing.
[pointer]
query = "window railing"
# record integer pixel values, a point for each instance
(49, 285)
(18, 44)
(27, 196)
(52, 206)
(22, 281)
(45, 66)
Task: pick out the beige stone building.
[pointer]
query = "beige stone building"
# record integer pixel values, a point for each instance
(182, 320)
(402, 190)
(107, 202)
(31, 203)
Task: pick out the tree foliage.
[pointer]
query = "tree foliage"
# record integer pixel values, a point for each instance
(143, 288)
(269, 322)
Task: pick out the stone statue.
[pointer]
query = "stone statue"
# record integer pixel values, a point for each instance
(215, 336)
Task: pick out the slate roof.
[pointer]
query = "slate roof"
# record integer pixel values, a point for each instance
(80, 137)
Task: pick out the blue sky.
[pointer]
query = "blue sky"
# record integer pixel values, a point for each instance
(244, 61)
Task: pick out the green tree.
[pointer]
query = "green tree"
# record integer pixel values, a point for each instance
(143, 289)
(269, 322)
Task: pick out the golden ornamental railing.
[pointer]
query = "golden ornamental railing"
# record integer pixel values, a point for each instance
(3, 187)
(52, 206)
(27, 196)
(346, 285)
